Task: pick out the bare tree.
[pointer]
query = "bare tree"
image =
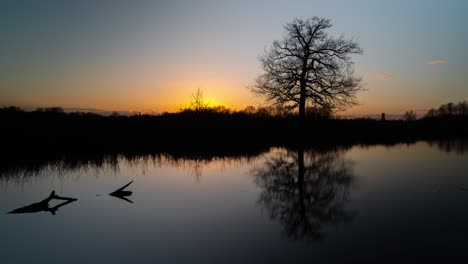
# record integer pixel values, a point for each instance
(309, 64)
(198, 102)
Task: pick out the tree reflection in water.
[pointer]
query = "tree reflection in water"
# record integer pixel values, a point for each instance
(305, 190)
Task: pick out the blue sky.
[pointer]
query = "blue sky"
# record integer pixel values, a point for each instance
(151, 55)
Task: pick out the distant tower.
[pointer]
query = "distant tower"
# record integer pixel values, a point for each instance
(382, 117)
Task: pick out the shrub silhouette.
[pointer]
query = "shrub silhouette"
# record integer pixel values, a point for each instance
(410, 116)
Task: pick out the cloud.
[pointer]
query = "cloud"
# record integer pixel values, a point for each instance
(435, 62)
(383, 76)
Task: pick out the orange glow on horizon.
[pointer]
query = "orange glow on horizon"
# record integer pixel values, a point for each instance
(144, 93)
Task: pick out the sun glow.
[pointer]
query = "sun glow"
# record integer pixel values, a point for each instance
(213, 102)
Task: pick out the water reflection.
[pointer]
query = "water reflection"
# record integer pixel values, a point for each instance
(458, 146)
(20, 166)
(20, 169)
(305, 190)
(43, 206)
(223, 218)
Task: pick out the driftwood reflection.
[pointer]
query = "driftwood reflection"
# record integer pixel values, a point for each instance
(305, 191)
(43, 206)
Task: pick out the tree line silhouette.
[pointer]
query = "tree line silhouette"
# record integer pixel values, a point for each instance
(212, 130)
(449, 110)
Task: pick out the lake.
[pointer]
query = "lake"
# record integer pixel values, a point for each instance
(405, 202)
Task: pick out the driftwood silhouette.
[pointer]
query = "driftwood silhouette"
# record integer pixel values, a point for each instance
(122, 194)
(43, 206)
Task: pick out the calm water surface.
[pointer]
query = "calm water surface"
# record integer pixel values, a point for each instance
(372, 204)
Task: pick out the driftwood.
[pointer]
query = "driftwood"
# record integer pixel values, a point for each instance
(43, 206)
(120, 193)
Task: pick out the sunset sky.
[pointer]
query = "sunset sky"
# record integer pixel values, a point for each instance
(152, 55)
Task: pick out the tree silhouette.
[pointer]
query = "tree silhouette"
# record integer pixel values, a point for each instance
(309, 64)
(305, 191)
(198, 102)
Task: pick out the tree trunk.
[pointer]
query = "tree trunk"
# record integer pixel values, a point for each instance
(302, 101)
